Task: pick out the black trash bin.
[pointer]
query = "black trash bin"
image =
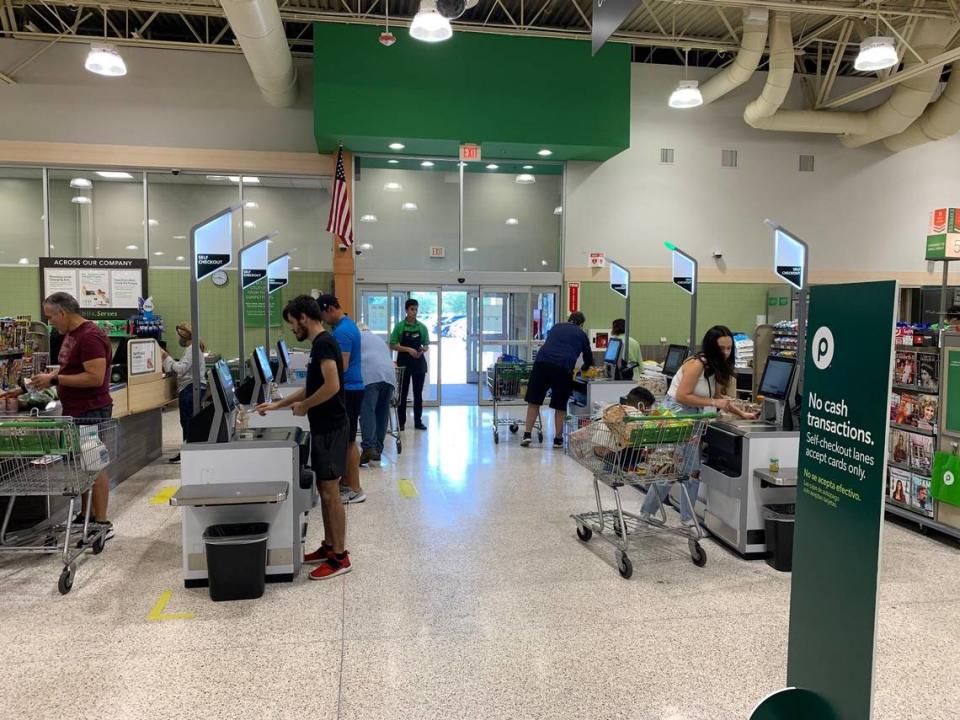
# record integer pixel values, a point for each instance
(778, 521)
(236, 560)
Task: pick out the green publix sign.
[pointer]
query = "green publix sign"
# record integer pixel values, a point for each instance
(840, 504)
(943, 236)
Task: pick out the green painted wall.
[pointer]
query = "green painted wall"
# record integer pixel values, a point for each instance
(662, 310)
(513, 95)
(20, 291)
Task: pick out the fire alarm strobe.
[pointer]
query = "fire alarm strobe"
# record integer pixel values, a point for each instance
(387, 39)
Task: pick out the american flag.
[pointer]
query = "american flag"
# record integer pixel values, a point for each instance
(338, 222)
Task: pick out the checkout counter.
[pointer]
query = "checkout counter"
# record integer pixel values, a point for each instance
(257, 475)
(736, 472)
(264, 378)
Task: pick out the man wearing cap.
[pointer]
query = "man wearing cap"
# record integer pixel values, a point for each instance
(347, 335)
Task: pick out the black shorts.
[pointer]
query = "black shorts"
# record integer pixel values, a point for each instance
(547, 376)
(328, 454)
(354, 401)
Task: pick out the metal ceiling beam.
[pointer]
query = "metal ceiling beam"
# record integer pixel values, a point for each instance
(815, 8)
(733, 33)
(834, 68)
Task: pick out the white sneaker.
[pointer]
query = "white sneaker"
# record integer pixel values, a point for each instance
(350, 497)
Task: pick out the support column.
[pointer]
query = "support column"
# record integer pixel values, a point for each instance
(343, 267)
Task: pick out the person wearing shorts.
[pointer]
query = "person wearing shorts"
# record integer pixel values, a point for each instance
(553, 371)
(322, 400)
(347, 335)
(83, 383)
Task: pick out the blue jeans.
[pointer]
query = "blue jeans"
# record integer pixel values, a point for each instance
(185, 400)
(374, 415)
(689, 472)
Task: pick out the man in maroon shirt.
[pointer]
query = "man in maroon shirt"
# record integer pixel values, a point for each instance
(83, 381)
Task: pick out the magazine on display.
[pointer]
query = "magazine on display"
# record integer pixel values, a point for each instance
(906, 409)
(905, 370)
(894, 406)
(920, 498)
(928, 407)
(900, 484)
(921, 453)
(900, 447)
(928, 372)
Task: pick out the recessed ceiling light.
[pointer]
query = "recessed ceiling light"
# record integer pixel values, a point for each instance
(158, 253)
(250, 180)
(544, 262)
(369, 217)
(397, 146)
(251, 205)
(81, 200)
(180, 258)
(492, 166)
(524, 269)
(393, 162)
(105, 60)
(111, 175)
(544, 152)
(81, 184)
(151, 222)
(366, 246)
(296, 267)
(426, 163)
(216, 177)
(558, 210)
(23, 261)
(393, 187)
(250, 224)
(179, 237)
(409, 206)
(525, 179)
(469, 249)
(528, 167)
(512, 221)
(132, 247)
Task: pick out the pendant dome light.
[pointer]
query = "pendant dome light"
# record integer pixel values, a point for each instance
(877, 52)
(429, 25)
(687, 93)
(105, 60)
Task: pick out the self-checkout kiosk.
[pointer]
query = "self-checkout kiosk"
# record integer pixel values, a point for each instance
(243, 476)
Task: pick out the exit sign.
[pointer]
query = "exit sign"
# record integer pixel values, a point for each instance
(437, 251)
(469, 152)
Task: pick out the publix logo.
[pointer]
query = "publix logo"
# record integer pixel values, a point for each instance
(822, 348)
(948, 478)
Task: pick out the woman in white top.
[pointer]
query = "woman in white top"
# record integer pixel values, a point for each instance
(698, 387)
(184, 370)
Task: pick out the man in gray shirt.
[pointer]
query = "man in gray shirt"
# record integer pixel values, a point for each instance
(379, 376)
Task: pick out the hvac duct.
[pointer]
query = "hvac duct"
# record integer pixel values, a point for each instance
(261, 35)
(752, 44)
(940, 120)
(904, 105)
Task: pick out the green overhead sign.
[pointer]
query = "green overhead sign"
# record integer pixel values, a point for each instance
(840, 502)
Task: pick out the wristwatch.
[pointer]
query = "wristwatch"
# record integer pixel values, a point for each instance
(55, 380)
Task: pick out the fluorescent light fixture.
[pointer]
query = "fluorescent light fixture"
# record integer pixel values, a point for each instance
(469, 249)
(492, 166)
(409, 206)
(180, 258)
(296, 267)
(250, 180)
(81, 184)
(512, 221)
(179, 237)
(111, 175)
(426, 163)
(81, 200)
(558, 210)
(396, 146)
(23, 261)
(393, 162)
(544, 152)
(132, 247)
(369, 217)
(525, 179)
(250, 224)
(876, 53)
(687, 95)
(251, 205)
(158, 253)
(528, 167)
(105, 60)
(429, 25)
(392, 187)
(366, 246)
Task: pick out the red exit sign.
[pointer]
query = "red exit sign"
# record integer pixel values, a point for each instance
(469, 152)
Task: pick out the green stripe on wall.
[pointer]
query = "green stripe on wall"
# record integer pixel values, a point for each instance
(663, 310)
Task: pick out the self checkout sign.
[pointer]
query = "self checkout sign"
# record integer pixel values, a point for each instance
(253, 262)
(213, 244)
(278, 273)
(619, 279)
(684, 270)
(790, 258)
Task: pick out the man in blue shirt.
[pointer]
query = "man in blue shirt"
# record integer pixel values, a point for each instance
(553, 371)
(347, 335)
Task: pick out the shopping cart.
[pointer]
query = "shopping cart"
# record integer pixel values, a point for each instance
(622, 450)
(393, 426)
(507, 382)
(54, 457)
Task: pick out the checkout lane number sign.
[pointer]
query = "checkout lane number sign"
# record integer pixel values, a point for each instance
(213, 244)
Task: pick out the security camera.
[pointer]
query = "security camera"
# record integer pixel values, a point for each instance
(461, 280)
(174, 171)
(358, 252)
(717, 255)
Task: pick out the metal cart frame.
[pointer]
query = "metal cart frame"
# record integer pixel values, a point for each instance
(638, 450)
(55, 457)
(507, 382)
(393, 422)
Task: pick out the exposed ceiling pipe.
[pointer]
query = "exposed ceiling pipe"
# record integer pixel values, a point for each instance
(261, 35)
(752, 44)
(940, 120)
(855, 128)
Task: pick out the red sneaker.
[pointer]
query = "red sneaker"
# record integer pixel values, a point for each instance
(332, 567)
(321, 554)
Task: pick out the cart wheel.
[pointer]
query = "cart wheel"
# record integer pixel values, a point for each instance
(98, 545)
(399, 446)
(66, 580)
(697, 554)
(584, 533)
(624, 566)
(514, 427)
(496, 438)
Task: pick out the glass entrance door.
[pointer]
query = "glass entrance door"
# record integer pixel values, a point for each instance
(504, 329)
(429, 314)
(375, 309)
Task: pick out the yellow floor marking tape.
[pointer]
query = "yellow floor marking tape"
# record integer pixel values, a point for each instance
(407, 488)
(163, 495)
(157, 613)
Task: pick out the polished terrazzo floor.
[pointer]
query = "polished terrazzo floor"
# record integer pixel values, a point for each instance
(471, 598)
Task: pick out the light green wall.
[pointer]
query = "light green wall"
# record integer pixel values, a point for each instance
(663, 310)
(20, 291)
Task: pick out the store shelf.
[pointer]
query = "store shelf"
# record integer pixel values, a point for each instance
(904, 466)
(912, 429)
(915, 389)
(922, 520)
(11, 353)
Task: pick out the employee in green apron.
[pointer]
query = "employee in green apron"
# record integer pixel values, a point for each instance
(411, 340)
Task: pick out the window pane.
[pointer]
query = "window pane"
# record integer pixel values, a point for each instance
(96, 216)
(512, 216)
(21, 207)
(403, 210)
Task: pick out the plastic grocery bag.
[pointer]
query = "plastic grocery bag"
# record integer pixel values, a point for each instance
(94, 455)
(945, 485)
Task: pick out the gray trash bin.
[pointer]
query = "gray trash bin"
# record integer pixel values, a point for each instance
(778, 521)
(236, 560)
